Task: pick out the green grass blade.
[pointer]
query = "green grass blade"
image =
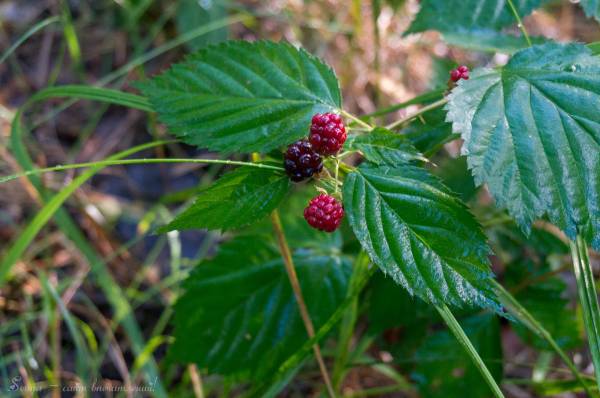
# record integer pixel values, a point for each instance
(80, 347)
(109, 162)
(525, 317)
(42, 217)
(33, 30)
(586, 287)
(111, 96)
(70, 35)
(464, 341)
(112, 291)
(361, 275)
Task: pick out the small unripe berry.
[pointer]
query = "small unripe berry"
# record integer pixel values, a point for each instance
(462, 72)
(327, 133)
(324, 213)
(301, 161)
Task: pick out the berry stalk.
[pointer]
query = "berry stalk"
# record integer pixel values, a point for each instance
(293, 277)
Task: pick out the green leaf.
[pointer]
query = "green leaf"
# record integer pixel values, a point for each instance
(382, 146)
(591, 8)
(532, 134)
(443, 368)
(455, 175)
(419, 234)
(546, 302)
(410, 313)
(238, 314)
(239, 198)
(193, 13)
(464, 16)
(243, 97)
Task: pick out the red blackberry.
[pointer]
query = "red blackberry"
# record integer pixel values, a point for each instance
(324, 213)
(462, 72)
(301, 161)
(327, 133)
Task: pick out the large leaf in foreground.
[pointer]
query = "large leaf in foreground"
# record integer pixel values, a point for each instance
(238, 313)
(243, 97)
(240, 197)
(419, 234)
(532, 134)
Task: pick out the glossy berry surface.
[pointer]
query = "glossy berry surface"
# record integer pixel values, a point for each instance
(324, 213)
(327, 133)
(301, 161)
(462, 72)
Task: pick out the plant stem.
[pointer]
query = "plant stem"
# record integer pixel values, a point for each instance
(431, 95)
(357, 120)
(103, 163)
(519, 22)
(421, 111)
(462, 338)
(291, 271)
(359, 271)
(588, 299)
(521, 313)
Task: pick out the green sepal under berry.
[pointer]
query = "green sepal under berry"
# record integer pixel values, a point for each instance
(239, 316)
(240, 197)
(417, 232)
(243, 96)
(531, 132)
(382, 146)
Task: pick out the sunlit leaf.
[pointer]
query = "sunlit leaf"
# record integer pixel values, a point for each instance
(532, 134)
(419, 234)
(243, 96)
(239, 198)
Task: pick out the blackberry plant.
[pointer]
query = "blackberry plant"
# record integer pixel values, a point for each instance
(530, 133)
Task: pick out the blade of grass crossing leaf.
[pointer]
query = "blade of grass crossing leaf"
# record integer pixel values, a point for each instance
(513, 9)
(586, 287)
(464, 341)
(342, 356)
(111, 290)
(30, 32)
(525, 317)
(294, 361)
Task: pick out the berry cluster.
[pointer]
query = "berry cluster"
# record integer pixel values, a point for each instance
(327, 136)
(303, 158)
(324, 213)
(462, 72)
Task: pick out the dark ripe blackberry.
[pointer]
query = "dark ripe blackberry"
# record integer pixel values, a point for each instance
(327, 133)
(301, 161)
(324, 213)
